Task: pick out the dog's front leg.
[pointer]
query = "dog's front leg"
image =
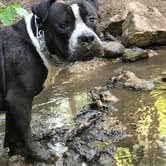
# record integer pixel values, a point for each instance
(18, 133)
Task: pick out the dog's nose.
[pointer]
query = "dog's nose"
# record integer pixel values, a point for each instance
(86, 38)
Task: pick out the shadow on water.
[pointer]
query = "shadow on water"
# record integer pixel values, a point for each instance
(142, 112)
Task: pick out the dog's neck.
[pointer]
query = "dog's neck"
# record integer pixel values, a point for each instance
(38, 40)
(37, 37)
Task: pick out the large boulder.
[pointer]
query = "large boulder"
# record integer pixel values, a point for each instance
(143, 26)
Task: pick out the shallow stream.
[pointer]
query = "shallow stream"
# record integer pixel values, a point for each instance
(143, 113)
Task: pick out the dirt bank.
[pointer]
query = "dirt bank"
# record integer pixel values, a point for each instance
(108, 8)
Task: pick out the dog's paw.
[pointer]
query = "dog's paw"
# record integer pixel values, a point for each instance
(36, 153)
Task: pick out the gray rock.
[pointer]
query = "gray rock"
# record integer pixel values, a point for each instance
(112, 49)
(143, 26)
(106, 160)
(132, 81)
(129, 79)
(134, 54)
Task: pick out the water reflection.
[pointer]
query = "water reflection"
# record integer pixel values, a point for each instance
(160, 105)
(61, 110)
(144, 113)
(123, 157)
(147, 132)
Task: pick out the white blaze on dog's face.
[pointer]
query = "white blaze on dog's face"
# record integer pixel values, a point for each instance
(82, 34)
(84, 42)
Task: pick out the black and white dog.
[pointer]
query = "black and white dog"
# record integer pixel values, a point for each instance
(56, 32)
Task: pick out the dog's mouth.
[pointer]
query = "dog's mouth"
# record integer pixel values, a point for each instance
(86, 52)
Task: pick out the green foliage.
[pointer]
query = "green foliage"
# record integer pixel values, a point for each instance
(19, 10)
(7, 13)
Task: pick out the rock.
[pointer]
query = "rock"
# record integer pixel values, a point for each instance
(112, 49)
(152, 53)
(99, 103)
(106, 160)
(17, 160)
(132, 81)
(106, 96)
(103, 98)
(58, 149)
(115, 25)
(143, 26)
(134, 54)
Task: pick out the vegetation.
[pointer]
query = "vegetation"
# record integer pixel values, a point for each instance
(8, 13)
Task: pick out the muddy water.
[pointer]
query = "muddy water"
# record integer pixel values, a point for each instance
(143, 113)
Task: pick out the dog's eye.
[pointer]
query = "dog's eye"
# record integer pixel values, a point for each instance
(62, 26)
(92, 20)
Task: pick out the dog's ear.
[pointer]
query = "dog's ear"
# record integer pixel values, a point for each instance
(94, 3)
(41, 9)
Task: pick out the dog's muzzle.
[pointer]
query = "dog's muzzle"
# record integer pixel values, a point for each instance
(86, 47)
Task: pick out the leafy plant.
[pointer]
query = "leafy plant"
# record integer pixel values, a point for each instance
(7, 13)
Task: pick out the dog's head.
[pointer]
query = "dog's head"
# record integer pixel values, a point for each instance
(71, 28)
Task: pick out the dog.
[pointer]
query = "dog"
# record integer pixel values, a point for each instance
(56, 32)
